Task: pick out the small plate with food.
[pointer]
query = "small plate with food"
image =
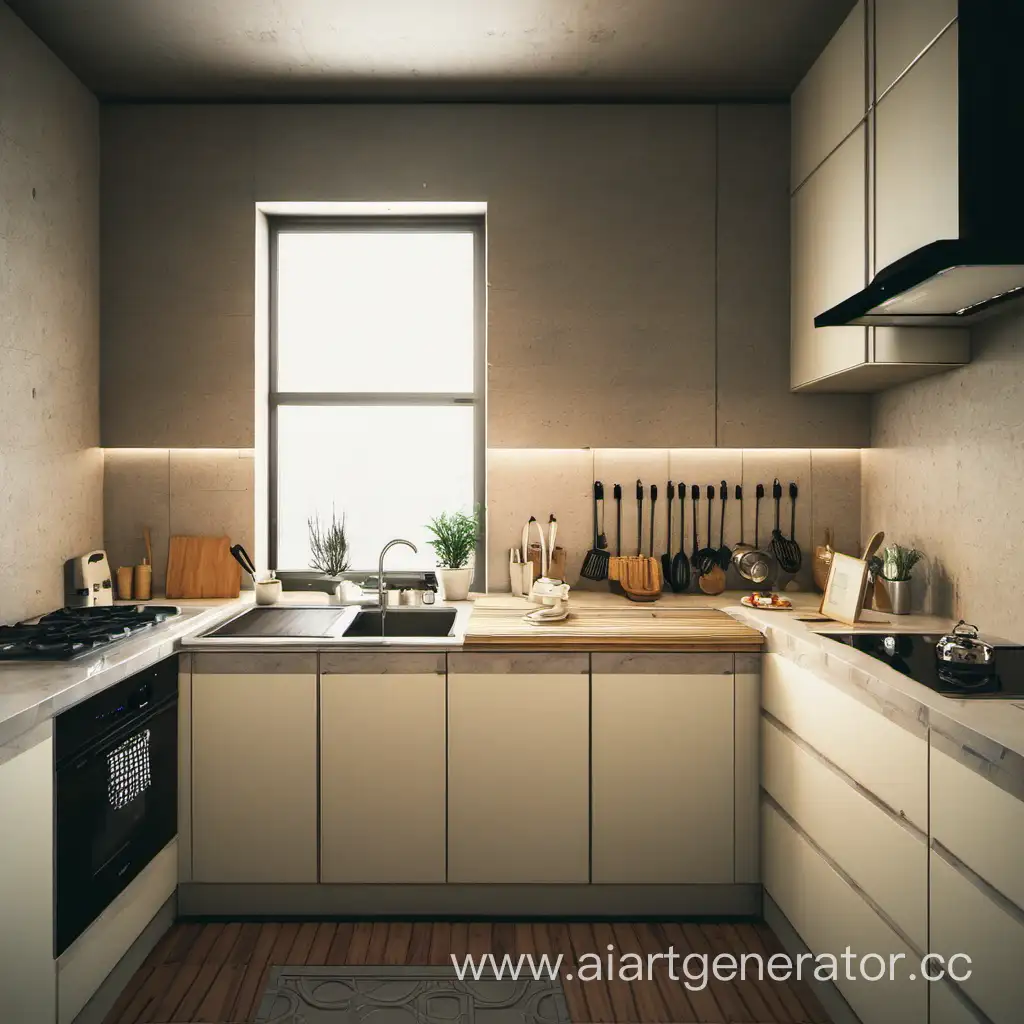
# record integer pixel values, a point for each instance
(767, 602)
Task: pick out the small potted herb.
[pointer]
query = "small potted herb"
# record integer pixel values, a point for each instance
(897, 565)
(455, 537)
(328, 545)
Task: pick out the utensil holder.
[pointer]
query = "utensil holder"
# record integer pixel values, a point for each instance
(124, 582)
(556, 563)
(521, 575)
(143, 582)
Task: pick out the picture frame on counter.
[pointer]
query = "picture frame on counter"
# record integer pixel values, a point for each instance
(843, 599)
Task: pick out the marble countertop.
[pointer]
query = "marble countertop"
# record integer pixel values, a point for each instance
(33, 692)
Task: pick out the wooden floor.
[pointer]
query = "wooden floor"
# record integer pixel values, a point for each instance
(217, 972)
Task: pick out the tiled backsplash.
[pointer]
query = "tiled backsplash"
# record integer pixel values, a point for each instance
(211, 491)
(523, 482)
(191, 491)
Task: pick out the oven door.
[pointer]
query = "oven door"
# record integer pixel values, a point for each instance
(117, 808)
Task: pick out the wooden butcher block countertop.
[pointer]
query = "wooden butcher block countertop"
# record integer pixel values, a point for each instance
(611, 624)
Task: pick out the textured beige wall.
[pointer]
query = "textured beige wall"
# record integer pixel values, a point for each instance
(946, 476)
(175, 492)
(621, 310)
(50, 468)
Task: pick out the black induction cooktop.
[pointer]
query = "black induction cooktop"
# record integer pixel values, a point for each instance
(913, 654)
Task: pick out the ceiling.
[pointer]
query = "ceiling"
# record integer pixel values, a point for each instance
(437, 49)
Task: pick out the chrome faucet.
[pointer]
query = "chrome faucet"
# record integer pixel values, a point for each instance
(381, 603)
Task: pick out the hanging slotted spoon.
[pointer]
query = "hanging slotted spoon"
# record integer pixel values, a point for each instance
(786, 551)
(680, 564)
(707, 557)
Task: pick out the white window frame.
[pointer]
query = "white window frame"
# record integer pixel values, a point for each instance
(476, 398)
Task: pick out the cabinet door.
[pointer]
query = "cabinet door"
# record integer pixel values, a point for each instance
(254, 753)
(28, 980)
(662, 776)
(828, 261)
(830, 915)
(832, 98)
(889, 761)
(948, 1007)
(967, 919)
(979, 823)
(886, 860)
(518, 768)
(903, 31)
(917, 156)
(382, 768)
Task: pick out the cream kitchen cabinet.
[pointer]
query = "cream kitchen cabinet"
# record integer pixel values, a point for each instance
(829, 915)
(382, 768)
(832, 99)
(904, 29)
(886, 759)
(968, 918)
(662, 760)
(518, 768)
(28, 980)
(917, 155)
(254, 768)
(887, 860)
(828, 262)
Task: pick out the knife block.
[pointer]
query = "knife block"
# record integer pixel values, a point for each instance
(556, 568)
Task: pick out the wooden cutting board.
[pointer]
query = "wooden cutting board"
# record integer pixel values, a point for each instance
(202, 567)
(622, 627)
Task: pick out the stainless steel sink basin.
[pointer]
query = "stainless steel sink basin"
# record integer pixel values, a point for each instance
(281, 622)
(403, 622)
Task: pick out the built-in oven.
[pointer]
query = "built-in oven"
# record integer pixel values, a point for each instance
(115, 792)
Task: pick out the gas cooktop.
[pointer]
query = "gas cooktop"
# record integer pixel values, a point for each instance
(914, 655)
(71, 632)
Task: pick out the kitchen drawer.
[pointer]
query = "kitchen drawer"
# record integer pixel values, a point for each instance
(979, 823)
(830, 916)
(883, 857)
(965, 919)
(948, 1007)
(886, 759)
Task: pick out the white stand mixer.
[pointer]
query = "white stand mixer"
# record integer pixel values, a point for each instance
(552, 594)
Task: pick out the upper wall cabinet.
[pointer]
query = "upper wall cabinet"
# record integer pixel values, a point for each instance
(849, 222)
(916, 179)
(828, 228)
(904, 29)
(832, 99)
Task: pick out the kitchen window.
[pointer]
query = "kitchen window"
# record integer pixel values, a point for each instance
(376, 382)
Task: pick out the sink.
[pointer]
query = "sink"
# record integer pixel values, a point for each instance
(404, 622)
(286, 623)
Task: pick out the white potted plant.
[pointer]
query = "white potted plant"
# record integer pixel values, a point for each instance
(897, 565)
(455, 537)
(328, 548)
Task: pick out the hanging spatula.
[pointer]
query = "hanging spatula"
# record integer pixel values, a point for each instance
(595, 562)
(680, 564)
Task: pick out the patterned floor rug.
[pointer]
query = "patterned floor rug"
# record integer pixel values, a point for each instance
(406, 995)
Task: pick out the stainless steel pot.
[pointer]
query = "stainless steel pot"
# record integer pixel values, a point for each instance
(962, 650)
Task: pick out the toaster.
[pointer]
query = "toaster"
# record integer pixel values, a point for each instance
(87, 581)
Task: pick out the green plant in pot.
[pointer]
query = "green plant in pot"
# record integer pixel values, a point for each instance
(455, 536)
(328, 545)
(897, 566)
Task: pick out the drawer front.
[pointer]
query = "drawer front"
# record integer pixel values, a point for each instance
(884, 758)
(980, 824)
(830, 916)
(882, 856)
(948, 1007)
(964, 919)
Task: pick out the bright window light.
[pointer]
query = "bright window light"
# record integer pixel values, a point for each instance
(376, 401)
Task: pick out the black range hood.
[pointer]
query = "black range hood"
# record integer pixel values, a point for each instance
(956, 281)
(948, 283)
